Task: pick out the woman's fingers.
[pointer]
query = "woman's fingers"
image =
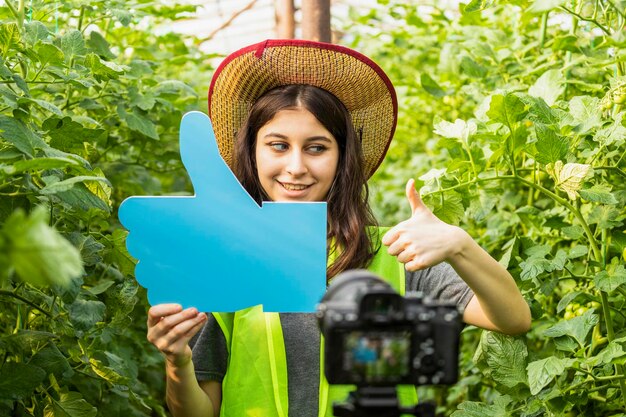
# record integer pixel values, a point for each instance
(162, 310)
(177, 337)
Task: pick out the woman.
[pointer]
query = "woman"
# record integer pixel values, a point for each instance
(312, 122)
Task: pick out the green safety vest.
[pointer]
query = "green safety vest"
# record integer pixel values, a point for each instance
(255, 384)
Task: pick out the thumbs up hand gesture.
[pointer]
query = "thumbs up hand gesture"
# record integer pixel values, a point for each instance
(423, 240)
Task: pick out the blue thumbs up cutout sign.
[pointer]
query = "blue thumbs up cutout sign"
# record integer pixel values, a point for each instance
(220, 251)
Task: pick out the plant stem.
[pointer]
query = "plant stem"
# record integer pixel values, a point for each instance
(9, 4)
(608, 320)
(586, 19)
(544, 28)
(20, 14)
(560, 200)
(30, 303)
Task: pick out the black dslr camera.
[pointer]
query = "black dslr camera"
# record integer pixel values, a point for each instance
(375, 338)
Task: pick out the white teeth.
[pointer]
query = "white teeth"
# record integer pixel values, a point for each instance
(294, 187)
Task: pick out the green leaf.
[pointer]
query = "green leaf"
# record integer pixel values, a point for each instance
(123, 16)
(69, 135)
(569, 177)
(482, 205)
(578, 251)
(549, 86)
(139, 123)
(533, 267)
(101, 287)
(568, 298)
(70, 404)
(35, 31)
(173, 87)
(37, 252)
(541, 6)
(476, 409)
(573, 232)
(37, 164)
(550, 146)
(610, 280)
(117, 253)
(48, 53)
(103, 70)
(27, 340)
(587, 113)
(5, 72)
(542, 372)
(73, 44)
(608, 355)
(599, 194)
(99, 45)
(578, 327)
(84, 314)
(16, 133)
(539, 111)
(51, 360)
(106, 372)
(9, 37)
(90, 249)
(451, 209)
(477, 5)
(613, 133)
(606, 217)
(431, 86)
(69, 183)
(46, 105)
(460, 129)
(471, 68)
(81, 198)
(502, 358)
(507, 109)
(19, 380)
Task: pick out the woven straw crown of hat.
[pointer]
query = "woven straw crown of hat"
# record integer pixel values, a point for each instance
(354, 79)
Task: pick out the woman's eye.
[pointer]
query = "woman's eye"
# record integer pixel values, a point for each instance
(278, 146)
(317, 148)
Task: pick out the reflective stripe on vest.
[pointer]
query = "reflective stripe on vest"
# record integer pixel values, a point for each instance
(255, 383)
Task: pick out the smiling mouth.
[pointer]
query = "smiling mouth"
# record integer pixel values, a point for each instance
(294, 187)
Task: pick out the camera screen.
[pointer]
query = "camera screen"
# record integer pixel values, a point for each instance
(379, 356)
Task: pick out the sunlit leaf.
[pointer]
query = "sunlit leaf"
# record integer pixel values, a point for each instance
(542, 372)
(549, 86)
(70, 404)
(38, 253)
(610, 280)
(578, 327)
(569, 177)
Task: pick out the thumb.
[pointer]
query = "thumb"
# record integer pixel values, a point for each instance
(414, 198)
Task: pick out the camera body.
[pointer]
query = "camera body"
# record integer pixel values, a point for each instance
(375, 337)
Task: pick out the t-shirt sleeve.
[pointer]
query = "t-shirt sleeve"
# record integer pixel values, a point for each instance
(440, 282)
(209, 352)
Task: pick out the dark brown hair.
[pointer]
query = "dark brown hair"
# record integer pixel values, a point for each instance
(349, 214)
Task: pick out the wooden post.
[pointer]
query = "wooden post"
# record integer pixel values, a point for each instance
(316, 20)
(285, 20)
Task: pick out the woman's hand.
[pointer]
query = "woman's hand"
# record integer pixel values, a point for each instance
(170, 328)
(423, 240)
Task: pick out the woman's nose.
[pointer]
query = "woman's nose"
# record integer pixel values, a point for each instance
(296, 164)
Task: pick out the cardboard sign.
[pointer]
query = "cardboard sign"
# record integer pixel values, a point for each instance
(218, 250)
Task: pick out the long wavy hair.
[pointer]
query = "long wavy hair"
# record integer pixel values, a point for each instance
(350, 242)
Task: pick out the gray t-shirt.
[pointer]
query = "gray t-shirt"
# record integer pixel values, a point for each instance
(210, 355)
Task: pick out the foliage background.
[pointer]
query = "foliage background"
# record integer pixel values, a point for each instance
(511, 118)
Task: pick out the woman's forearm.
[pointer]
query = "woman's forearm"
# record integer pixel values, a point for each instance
(499, 299)
(184, 396)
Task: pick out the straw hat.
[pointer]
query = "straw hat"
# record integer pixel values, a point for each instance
(354, 79)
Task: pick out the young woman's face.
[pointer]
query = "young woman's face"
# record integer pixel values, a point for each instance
(296, 157)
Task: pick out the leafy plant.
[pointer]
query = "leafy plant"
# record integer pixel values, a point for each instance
(91, 97)
(511, 115)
